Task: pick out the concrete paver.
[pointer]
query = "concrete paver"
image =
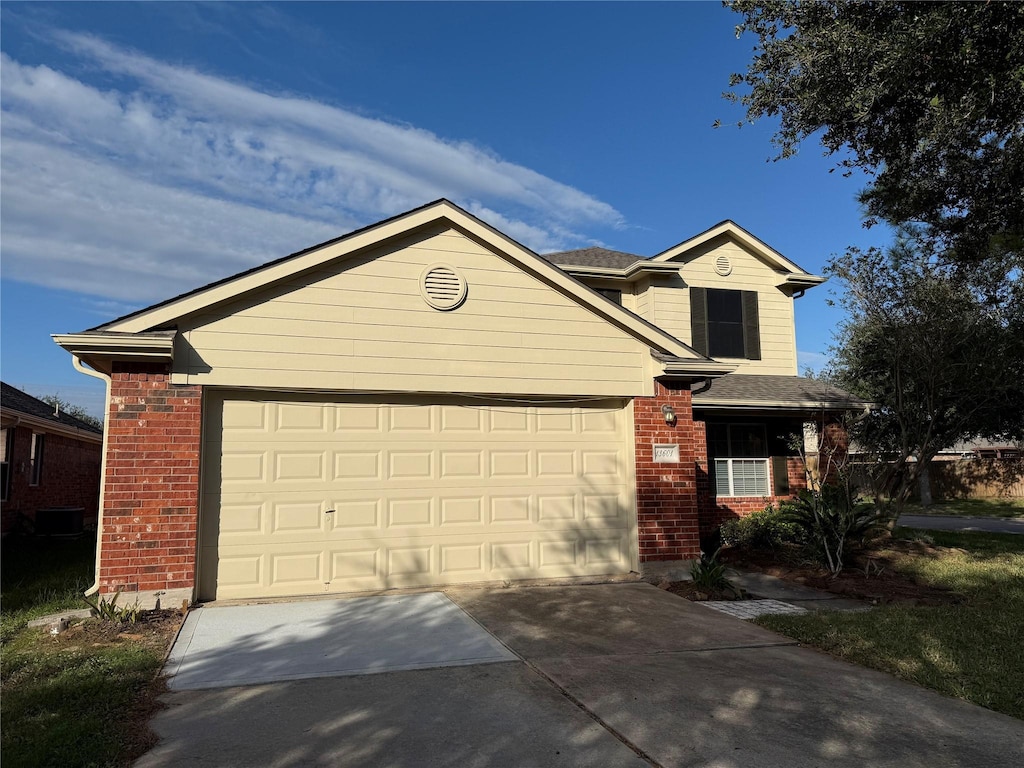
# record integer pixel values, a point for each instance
(751, 609)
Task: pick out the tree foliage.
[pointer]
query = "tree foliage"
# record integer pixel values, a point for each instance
(942, 362)
(927, 98)
(72, 410)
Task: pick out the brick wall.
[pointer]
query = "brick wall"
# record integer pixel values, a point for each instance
(152, 483)
(666, 492)
(70, 477)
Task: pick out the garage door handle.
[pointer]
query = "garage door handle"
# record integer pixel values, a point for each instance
(328, 511)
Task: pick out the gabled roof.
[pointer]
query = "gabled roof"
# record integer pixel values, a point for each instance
(13, 400)
(795, 274)
(592, 257)
(165, 314)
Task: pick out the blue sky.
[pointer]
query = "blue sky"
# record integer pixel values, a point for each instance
(150, 148)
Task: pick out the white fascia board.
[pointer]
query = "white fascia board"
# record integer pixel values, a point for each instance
(144, 346)
(741, 236)
(629, 274)
(694, 368)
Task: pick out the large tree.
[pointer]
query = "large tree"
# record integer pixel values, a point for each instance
(926, 98)
(940, 362)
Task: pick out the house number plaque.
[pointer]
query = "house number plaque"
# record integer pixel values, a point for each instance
(666, 453)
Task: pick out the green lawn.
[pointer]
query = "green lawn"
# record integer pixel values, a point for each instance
(972, 650)
(66, 703)
(1011, 508)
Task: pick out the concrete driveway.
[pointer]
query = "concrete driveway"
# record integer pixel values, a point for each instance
(605, 675)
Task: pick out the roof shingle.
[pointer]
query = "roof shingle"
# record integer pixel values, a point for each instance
(592, 257)
(14, 399)
(759, 389)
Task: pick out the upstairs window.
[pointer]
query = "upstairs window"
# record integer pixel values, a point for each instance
(36, 467)
(612, 294)
(724, 323)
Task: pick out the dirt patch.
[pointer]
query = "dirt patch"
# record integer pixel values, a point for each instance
(154, 630)
(872, 577)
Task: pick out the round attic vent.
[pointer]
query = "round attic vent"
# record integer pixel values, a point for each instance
(442, 286)
(723, 266)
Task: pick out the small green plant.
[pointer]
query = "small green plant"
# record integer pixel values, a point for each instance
(108, 610)
(708, 574)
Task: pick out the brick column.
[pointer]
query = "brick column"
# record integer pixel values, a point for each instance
(151, 497)
(666, 493)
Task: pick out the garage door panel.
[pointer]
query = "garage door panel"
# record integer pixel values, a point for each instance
(302, 498)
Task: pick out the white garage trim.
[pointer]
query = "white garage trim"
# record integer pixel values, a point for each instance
(425, 490)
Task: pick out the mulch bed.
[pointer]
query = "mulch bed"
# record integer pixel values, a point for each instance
(871, 577)
(691, 591)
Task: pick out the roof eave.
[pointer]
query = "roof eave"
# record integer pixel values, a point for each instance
(54, 427)
(629, 273)
(151, 346)
(781, 405)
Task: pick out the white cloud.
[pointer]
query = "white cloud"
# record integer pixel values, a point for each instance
(181, 177)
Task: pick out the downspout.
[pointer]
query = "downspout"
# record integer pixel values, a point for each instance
(704, 387)
(103, 467)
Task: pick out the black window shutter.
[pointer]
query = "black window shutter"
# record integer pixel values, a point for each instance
(699, 319)
(780, 475)
(751, 326)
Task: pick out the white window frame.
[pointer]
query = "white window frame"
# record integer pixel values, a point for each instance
(36, 453)
(729, 473)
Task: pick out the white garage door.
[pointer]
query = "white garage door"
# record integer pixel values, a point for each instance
(304, 497)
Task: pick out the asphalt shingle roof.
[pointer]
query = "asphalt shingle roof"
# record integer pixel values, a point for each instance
(592, 257)
(14, 399)
(759, 388)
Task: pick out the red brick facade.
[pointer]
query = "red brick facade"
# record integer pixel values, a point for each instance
(70, 477)
(666, 493)
(151, 498)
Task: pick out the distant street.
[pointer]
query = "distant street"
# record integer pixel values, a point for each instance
(951, 523)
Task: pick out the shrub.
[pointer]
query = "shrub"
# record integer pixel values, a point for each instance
(833, 523)
(767, 529)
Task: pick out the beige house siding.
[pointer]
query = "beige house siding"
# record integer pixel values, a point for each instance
(364, 325)
(667, 303)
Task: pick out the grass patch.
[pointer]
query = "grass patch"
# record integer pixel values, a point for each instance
(970, 649)
(1004, 508)
(39, 577)
(81, 698)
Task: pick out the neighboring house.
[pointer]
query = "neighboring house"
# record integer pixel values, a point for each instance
(426, 401)
(50, 467)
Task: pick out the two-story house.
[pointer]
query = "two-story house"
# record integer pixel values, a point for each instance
(426, 401)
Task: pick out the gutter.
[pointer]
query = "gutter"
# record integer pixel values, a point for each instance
(103, 467)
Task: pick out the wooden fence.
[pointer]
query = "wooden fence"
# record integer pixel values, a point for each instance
(967, 478)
